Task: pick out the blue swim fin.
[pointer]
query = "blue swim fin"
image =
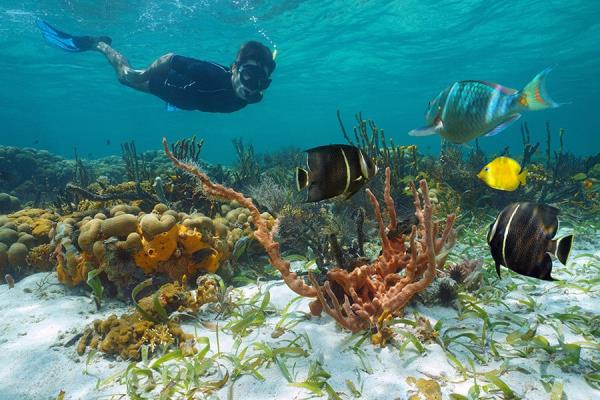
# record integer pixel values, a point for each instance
(69, 42)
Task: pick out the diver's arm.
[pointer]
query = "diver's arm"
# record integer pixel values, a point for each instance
(205, 73)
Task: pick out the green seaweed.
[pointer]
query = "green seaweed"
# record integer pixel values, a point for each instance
(316, 381)
(289, 319)
(137, 289)
(93, 281)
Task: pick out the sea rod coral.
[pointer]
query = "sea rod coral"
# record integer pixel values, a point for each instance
(370, 292)
(362, 297)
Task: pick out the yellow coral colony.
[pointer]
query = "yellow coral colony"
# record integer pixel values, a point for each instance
(162, 241)
(125, 335)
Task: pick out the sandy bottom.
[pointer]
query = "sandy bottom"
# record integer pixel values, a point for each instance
(40, 317)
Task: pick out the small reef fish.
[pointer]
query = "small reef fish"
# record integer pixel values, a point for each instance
(10, 281)
(503, 173)
(468, 109)
(239, 248)
(521, 239)
(202, 254)
(334, 170)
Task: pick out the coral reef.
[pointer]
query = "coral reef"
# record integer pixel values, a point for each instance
(126, 240)
(111, 195)
(8, 203)
(32, 175)
(119, 228)
(264, 227)
(149, 325)
(40, 178)
(366, 295)
(24, 237)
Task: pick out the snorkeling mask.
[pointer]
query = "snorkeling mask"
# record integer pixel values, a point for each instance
(251, 80)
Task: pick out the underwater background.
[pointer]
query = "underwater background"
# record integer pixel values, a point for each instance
(384, 58)
(411, 268)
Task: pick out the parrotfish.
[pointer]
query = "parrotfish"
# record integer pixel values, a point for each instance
(522, 239)
(334, 170)
(468, 109)
(503, 173)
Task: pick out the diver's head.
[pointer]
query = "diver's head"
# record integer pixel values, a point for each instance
(251, 70)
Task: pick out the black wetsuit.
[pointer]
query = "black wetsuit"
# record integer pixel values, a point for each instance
(192, 84)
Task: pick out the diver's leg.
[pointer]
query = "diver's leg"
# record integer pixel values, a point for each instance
(134, 78)
(160, 66)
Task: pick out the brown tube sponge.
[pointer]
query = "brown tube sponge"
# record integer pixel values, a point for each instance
(89, 234)
(151, 225)
(120, 226)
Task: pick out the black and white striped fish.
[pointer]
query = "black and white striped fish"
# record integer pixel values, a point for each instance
(522, 239)
(334, 170)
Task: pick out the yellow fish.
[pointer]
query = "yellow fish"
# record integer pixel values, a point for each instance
(503, 173)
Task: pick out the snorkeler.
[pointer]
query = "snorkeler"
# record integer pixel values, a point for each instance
(183, 82)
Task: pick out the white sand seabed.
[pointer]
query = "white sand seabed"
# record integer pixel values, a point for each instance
(37, 322)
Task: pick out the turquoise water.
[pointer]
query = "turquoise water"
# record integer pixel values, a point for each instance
(384, 58)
